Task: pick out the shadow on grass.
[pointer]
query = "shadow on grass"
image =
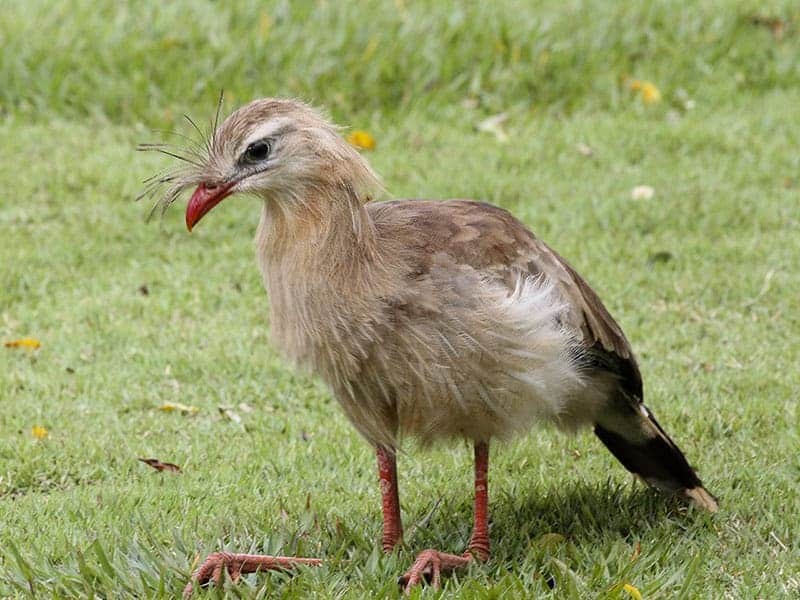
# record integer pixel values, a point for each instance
(582, 512)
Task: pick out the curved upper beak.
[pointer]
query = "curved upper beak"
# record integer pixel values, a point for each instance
(203, 200)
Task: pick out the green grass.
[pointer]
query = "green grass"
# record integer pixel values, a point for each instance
(703, 277)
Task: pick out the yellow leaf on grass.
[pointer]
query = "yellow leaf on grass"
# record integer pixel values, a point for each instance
(361, 139)
(632, 591)
(39, 432)
(178, 407)
(28, 343)
(647, 90)
(650, 93)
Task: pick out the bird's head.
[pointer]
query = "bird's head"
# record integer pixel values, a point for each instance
(282, 151)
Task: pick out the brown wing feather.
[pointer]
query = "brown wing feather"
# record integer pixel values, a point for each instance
(491, 240)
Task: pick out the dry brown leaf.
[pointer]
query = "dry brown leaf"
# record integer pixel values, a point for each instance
(161, 466)
(776, 25)
(637, 550)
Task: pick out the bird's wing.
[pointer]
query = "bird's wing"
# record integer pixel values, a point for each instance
(490, 240)
(607, 346)
(587, 312)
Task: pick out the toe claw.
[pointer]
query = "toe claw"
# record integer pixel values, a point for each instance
(428, 567)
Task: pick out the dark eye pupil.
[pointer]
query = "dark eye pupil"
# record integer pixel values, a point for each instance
(257, 151)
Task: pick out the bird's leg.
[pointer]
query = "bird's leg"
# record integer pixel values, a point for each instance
(390, 498)
(431, 563)
(479, 542)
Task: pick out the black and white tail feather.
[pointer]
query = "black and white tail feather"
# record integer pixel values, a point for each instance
(636, 439)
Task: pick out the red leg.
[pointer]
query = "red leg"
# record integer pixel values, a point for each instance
(390, 499)
(479, 542)
(236, 564)
(431, 563)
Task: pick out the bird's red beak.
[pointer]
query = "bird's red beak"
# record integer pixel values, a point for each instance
(203, 200)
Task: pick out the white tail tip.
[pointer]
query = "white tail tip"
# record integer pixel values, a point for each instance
(700, 497)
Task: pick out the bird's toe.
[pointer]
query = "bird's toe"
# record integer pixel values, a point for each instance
(428, 567)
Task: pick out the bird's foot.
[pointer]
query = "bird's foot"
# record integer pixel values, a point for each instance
(429, 566)
(212, 568)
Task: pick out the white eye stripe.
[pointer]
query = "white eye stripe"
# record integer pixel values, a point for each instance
(272, 129)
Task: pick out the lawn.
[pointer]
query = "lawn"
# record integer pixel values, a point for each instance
(134, 315)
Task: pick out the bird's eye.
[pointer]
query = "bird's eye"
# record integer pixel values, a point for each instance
(257, 151)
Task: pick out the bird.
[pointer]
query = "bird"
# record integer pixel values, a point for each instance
(434, 320)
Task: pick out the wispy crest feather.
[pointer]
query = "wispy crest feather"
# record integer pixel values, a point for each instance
(195, 156)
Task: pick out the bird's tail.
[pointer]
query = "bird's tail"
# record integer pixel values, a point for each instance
(645, 449)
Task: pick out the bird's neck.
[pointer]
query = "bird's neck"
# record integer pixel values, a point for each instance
(322, 267)
(329, 237)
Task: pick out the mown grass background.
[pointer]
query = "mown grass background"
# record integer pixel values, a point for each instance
(703, 277)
